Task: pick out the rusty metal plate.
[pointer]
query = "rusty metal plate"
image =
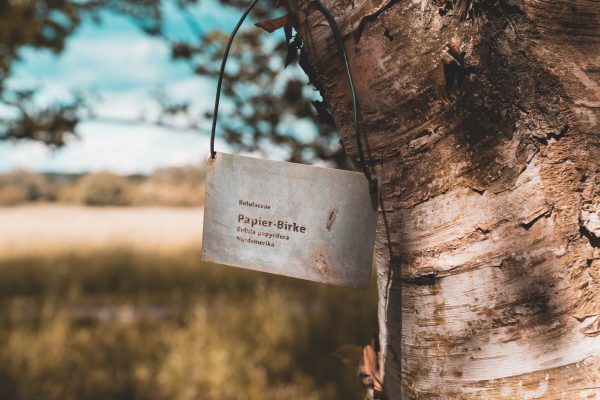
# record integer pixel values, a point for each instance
(289, 219)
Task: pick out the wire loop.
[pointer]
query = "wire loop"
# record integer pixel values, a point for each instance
(341, 49)
(221, 73)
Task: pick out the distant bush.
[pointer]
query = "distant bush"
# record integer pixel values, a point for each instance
(169, 187)
(104, 189)
(12, 195)
(191, 175)
(69, 192)
(22, 186)
(152, 193)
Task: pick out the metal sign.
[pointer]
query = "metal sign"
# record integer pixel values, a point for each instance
(289, 219)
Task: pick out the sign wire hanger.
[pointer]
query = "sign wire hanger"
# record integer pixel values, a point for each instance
(341, 49)
(290, 219)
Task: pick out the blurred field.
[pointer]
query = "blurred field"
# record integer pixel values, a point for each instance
(113, 303)
(47, 228)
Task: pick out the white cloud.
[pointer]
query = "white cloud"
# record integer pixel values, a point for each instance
(124, 65)
(110, 63)
(123, 149)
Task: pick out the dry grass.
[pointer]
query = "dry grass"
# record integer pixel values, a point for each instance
(114, 304)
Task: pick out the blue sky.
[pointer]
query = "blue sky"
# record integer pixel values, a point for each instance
(123, 65)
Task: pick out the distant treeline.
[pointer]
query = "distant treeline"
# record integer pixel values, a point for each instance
(172, 186)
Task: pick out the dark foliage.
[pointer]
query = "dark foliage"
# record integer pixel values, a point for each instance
(266, 105)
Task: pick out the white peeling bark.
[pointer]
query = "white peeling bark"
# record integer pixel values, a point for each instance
(488, 247)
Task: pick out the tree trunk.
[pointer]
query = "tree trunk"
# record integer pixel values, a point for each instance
(482, 122)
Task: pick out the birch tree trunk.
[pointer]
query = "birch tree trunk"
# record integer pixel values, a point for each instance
(488, 241)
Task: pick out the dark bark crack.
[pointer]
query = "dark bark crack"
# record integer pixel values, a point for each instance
(425, 276)
(371, 17)
(477, 190)
(556, 136)
(594, 241)
(484, 231)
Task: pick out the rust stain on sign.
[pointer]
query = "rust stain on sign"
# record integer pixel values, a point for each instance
(322, 265)
(331, 218)
(278, 217)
